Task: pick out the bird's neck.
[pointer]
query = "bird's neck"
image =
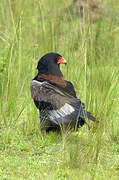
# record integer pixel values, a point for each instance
(50, 69)
(51, 78)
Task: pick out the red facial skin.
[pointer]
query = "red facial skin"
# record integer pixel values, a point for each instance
(61, 60)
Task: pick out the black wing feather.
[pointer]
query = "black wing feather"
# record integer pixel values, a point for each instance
(60, 106)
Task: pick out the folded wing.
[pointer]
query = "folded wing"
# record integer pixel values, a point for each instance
(60, 106)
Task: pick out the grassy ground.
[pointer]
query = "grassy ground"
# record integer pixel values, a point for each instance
(28, 30)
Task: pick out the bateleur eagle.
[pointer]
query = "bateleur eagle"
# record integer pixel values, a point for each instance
(55, 97)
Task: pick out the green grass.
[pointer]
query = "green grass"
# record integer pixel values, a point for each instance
(28, 30)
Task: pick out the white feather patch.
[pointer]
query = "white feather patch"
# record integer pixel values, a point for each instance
(34, 82)
(62, 112)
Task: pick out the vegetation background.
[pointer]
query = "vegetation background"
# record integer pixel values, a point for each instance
(28, 30)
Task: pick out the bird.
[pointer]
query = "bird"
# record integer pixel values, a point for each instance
(56, 98)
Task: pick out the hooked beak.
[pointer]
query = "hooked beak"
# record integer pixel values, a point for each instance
(61, 60)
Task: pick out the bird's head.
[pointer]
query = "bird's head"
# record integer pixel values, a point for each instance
(49, 64)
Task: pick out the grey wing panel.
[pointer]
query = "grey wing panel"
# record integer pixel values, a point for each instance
(66, 108)
(44, 91)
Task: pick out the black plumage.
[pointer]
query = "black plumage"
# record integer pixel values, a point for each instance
(55, 97)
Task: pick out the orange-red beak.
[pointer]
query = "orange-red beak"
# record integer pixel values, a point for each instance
(61, 60)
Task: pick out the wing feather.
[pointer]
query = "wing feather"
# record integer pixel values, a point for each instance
(65, 107)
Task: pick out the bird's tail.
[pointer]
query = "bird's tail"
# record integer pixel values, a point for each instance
(90, 117)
